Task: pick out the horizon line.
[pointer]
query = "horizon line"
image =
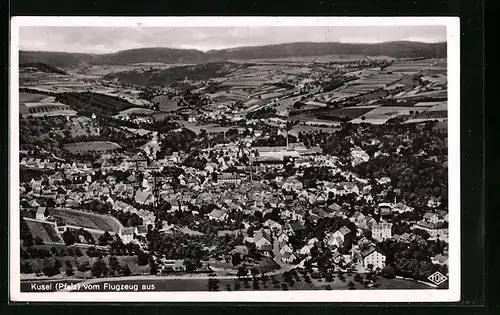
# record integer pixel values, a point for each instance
(233, 47)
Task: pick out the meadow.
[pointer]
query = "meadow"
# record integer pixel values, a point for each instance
(91, 146)
(87, 220)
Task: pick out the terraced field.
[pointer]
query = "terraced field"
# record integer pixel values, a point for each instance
(44, 231)
(87, 220)
(31, 97)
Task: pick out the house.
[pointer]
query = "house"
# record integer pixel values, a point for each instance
(431, 217)
(144, 197)
(373, 256)
(229, 179)
(334, 240)
(41, 213)
(263, 240)
(435, 230)
(358, 217)
(285, 247)
(306, 249)
(169, 265)
(127, 234)
(111, 180)
(295, 226)
(273, 225)
(138, 162)
(283, 237)
(218, 215)
(382, 231)
(288, 257)
(142, 230)
(401, 208)
(341, 233)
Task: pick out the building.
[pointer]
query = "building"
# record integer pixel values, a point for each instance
(170, 265)
(218, 215)
(138, 162)
(341, 233)
(262, 240)
(41, 213)
(144, 197)
(229, 179)
(127, 234)
(288, 257)
(435, 230)
(373, 256)
(382, 231)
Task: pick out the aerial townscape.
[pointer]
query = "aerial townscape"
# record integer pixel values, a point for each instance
(304, 166)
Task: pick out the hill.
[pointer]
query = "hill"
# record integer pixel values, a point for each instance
(43, 67)
(391, 49)
(175, 56)
(162, 77)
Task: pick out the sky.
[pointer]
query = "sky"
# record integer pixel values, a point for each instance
(98, 40)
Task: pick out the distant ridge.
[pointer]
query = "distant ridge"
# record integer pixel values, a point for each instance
(399, 49)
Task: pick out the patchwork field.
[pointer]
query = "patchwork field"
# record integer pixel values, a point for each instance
(135, 111)
(91, 146)
(87, 220)
(31, 97)
(166, 104)
(381, 115)
(44, 231)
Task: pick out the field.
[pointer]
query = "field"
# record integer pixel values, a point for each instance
(45, 231)
(31, 97)
(166, 104)
(91, 146)
(135, 111)
(82, 127)
(380, 115)
(87, 220)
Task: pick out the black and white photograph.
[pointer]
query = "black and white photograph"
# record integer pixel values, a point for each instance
(234, 159)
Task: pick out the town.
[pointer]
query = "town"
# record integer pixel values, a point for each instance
(313, 173)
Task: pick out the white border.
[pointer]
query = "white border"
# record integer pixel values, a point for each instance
(453, 54)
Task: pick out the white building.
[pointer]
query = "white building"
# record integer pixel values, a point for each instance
(40, 213)
(372, 256)
(382, 231)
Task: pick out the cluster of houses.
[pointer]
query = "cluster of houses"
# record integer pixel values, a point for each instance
(232, 188)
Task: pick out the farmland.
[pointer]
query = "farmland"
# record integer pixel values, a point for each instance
(45, 231)
(91, 146)
(135, 111)
(381, 114)
(31, 97)
(166, 103)
(87, 220)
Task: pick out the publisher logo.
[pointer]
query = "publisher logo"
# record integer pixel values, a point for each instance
(437, 278)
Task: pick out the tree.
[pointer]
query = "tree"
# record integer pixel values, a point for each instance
(78, 252)
(114, 265)
(68, 238)
(104, 239)
(388, 272)
(26, 268)
(69, 268)
(255, 272)
(126, 270)
(351, 285)
(153, 267)
(236, 259)
(38, 241)
(242, 271)
(99, 268)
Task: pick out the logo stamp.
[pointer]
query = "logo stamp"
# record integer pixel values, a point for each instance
(437, 278)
